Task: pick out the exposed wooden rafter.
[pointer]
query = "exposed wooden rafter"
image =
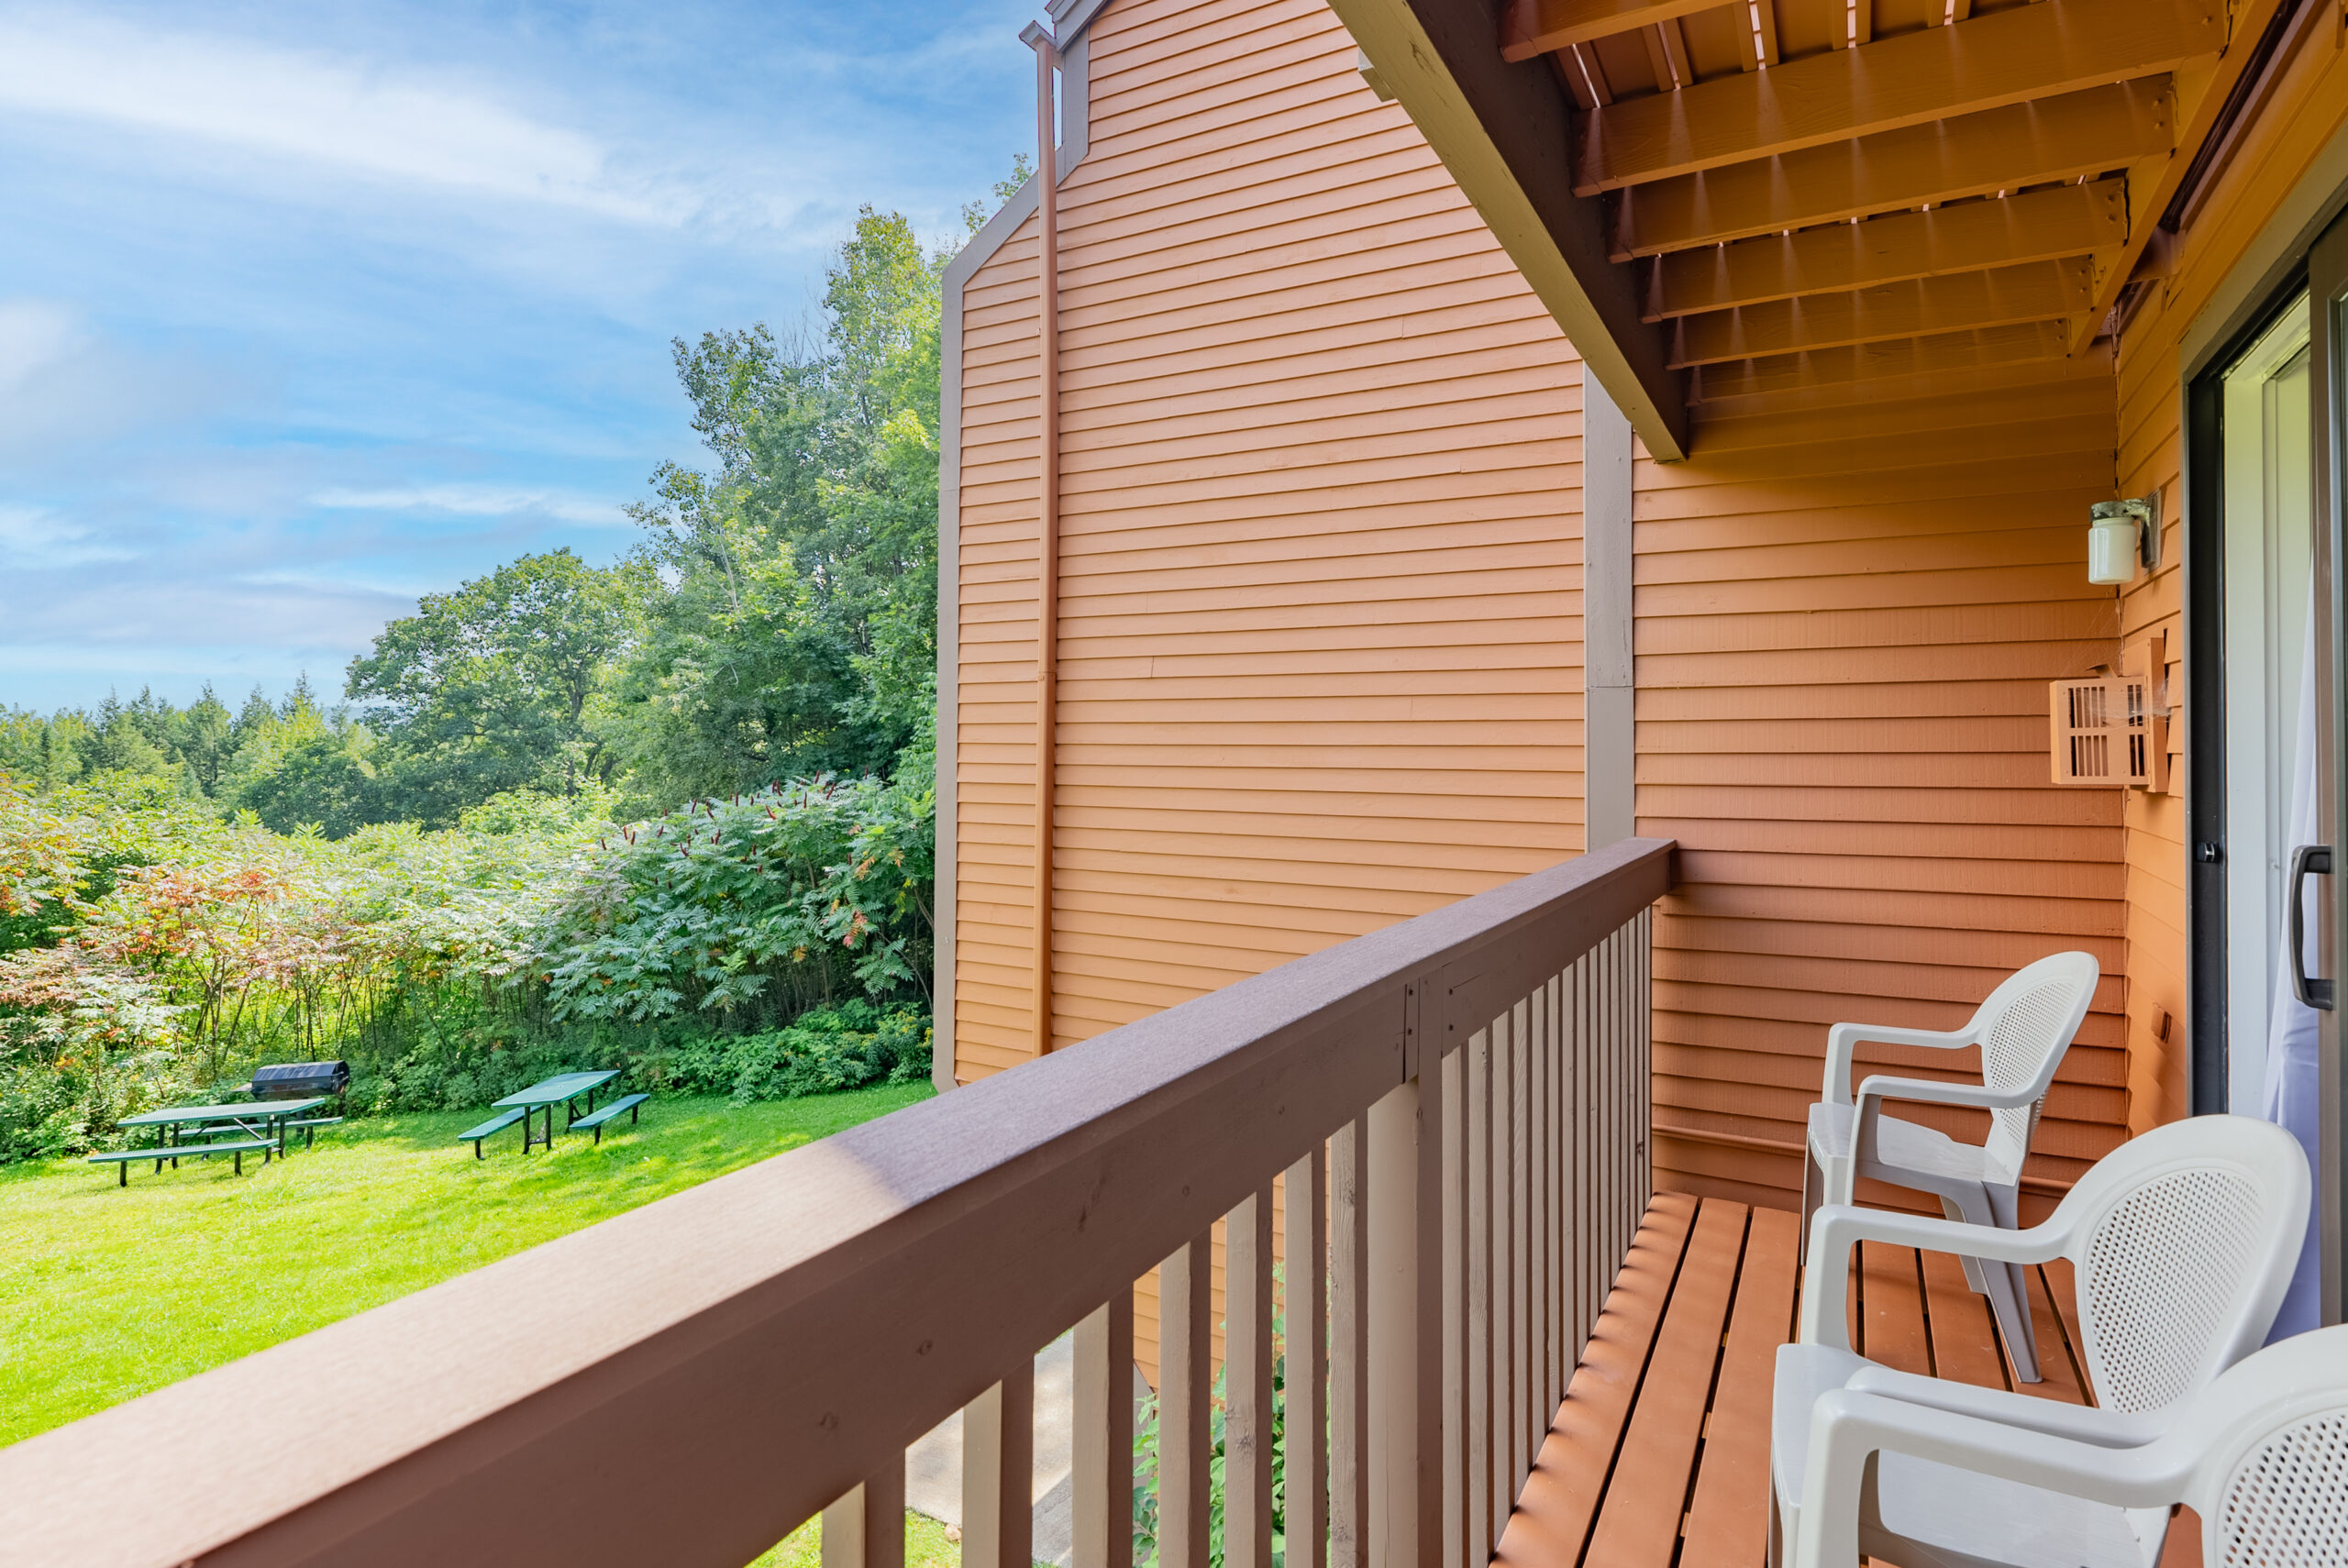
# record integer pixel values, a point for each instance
(2033, 51)
(1993, 151)
(1531, 27)
(2153, 181)
(2032, 291)
(2036, 226)
(1873, 362)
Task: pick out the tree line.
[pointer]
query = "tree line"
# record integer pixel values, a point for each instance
(775, 620)
(675, 814)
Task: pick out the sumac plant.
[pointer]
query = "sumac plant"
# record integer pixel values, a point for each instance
(754, 907)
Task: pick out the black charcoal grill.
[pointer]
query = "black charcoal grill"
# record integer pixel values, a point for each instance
(302, 1080)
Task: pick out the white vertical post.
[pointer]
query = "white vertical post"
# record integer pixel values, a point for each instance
(1100, 1502)
(1349, 1451)
(866, 1528)
(1609, 738)
(1305, 1314)
(1185, 1387)
(1248, 1384)
(998, 1474)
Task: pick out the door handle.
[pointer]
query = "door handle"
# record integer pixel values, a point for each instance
(2309, 859)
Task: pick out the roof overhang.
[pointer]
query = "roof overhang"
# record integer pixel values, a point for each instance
(1722, 201)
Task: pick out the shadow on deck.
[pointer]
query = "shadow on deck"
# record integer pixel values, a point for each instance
(1659, 1456)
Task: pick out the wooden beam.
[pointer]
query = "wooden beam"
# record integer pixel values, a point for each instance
(2032, 51)
(1536, 26)
(1504, 136)
(1994, 150)
(1874, 362)
(2153, 183)
(2033, 290)
(2038, 226)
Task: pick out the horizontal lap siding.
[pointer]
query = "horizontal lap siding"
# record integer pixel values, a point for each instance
(1320, 592)
(2306, 110)
(1320, 636)
(1846, 621)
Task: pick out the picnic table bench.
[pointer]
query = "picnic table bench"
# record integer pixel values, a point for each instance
(497, 1123)
(121, 1159)
(595, 1119)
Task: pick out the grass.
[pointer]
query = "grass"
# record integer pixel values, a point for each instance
(928, 1544)
(107, 1293)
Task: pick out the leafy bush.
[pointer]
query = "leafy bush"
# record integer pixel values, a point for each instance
(452, 966)
(844, 1047)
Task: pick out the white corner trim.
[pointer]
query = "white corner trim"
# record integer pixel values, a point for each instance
(1071, 18)
(1610, 789)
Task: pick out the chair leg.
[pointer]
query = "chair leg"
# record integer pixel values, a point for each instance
(2004, 1283)
(1813, 1195)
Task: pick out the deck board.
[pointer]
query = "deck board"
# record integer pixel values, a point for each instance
(1659, 1455)
(1560, 1498)
(1639, 1524)
(1892, 1308)
(1964, 1335)
(1728, 1519)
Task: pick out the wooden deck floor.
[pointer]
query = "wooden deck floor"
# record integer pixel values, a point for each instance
(1659, 1456)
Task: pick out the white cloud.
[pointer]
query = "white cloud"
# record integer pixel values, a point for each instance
(314, 108)
(476, 500)
(32, 538)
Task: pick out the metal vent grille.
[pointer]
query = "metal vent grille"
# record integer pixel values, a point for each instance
(2288, 1505)
(2111, 730)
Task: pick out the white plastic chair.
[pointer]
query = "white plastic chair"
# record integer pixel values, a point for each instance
(2183, 1241)
(2261, 1455)
(2022, 1029)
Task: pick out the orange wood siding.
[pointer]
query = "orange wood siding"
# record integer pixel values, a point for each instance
(1847, 615)
(2307, 110)
(1320, 634)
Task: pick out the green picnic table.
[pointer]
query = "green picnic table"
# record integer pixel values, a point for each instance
(263, 1124)
(561, 1089)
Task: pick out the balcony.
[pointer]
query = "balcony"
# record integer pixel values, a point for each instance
(1430, 1142)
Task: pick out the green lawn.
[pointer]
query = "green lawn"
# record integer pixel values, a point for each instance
(107, 1293)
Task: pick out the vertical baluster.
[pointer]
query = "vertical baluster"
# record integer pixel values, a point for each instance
(1185, 1387)
(1594, 1118)
(866, 1528)
(1456, 1426)
(1100, 1461)
(1306, 1310)
(998, 1474)
(1497, 1439)
(1522, 1400)
(1350, 1347)
(1645, 1004)
(1476, 1470)
(1247, 1384)
(1406, 1319)
(1536, 1164)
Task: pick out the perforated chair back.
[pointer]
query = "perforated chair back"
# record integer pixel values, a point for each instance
(2183, 1240)
(2272, 1481)
(2025, 1026)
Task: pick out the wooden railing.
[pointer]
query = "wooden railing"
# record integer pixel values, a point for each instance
(1461, 1100)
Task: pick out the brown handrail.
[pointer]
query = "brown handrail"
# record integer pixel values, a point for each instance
(686, 1383)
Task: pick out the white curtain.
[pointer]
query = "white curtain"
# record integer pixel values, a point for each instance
(2292, 1094)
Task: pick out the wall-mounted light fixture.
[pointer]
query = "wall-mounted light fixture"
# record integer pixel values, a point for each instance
(2122, 537)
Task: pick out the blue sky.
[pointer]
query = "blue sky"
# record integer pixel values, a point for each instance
(309, 308)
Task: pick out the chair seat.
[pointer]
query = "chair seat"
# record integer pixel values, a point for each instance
(1935, 1516)
(1923, 1157)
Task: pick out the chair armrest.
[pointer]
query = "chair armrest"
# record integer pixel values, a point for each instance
(1847, 1428)
(1836, 1228)
(1843, 1039)
(2079, 1423)
(1981, 1095)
